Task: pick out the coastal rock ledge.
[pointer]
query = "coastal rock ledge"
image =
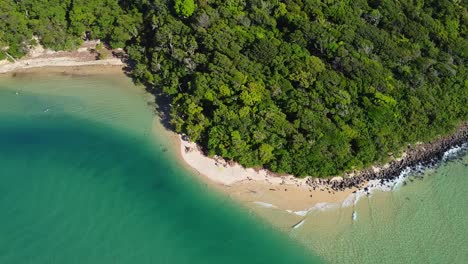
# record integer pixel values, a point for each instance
(228, 173)
(421, 155)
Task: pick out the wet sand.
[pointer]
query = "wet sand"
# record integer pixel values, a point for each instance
(69, 70)
(259, 186)
(39, 57)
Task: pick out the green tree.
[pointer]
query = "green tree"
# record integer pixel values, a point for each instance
(184, 8)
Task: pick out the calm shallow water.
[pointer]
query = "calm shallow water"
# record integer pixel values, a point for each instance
(82, 180)
(424, 221)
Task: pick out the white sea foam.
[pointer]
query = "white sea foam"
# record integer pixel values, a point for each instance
(454, 151)
(301, 213)
(376, 185)
(324, 206)
(371, 187)
(316, 207)
(266, 205)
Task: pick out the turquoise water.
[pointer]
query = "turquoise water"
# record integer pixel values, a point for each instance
(424, 221)
(83, 180)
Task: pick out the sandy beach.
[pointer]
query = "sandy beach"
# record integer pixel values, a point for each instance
(40, 57)
(259, 187)
(299, 196)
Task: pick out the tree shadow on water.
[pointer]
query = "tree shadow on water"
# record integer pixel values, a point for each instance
(162, 102)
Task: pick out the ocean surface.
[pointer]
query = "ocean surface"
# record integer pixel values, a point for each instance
(85, 178)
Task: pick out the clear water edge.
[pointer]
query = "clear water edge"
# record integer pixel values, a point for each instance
(422, 221)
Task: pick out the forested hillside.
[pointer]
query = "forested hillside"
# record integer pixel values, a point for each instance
(307, 87)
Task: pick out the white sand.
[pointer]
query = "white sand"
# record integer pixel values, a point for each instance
(259, 188)
(40, 57)
(217, 170)
(54, 62)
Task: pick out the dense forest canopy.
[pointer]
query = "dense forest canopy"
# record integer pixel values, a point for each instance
(61, 24)
(309, 87)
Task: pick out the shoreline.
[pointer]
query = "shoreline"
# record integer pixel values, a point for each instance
(79, 70)
(420, 155)
(41, 58)
(298, 196)
(259, 189)
(27, 64)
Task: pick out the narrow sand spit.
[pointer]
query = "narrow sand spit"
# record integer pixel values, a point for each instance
(40, 57)
(54, 62)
